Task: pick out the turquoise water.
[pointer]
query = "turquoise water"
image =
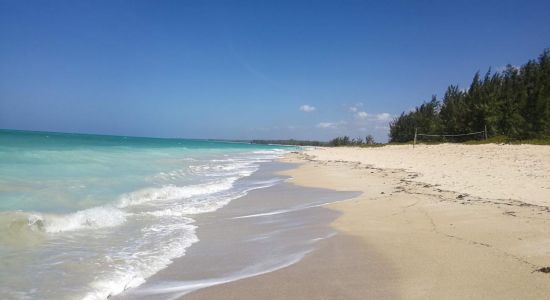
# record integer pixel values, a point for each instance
(92, 215)
(58, 172)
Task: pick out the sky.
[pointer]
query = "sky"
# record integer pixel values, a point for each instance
(248, 69)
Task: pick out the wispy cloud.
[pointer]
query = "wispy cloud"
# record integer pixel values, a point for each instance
(331, 125)
(307, 108)
(383, 117)
(362, 114)
(380, 117)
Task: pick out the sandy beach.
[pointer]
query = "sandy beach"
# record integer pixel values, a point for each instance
(259, 150)
(433, 222)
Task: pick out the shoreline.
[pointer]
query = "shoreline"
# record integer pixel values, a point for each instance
(266, 230)
(430, 240)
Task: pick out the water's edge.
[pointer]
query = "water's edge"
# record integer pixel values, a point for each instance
(263, 231)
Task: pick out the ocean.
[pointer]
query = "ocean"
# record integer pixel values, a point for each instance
(89, 216)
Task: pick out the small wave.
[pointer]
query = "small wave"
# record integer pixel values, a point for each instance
(20, 229)
(153, 251)
(211, 202)
(172, 192)
(224, 168)
(169, 212)
(274, 151)
(91, 218)
(14, 223)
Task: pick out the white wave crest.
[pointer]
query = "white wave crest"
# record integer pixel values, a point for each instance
(274, 152)
(172, 192)
(92, 218)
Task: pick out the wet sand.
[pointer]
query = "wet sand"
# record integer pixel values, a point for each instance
(341, 268)
(266, 230)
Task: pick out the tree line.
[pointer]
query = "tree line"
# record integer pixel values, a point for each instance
(347, 141)
(514, 103)
(338, 141)
(291, 142)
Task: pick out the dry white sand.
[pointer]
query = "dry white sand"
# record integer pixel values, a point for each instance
(519, 172)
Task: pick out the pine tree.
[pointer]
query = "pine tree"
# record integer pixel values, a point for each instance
(514, 103)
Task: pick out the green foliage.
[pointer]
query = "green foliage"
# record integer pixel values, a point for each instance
(347, 141)
(501, 139)
(514, 103)
(339, 141)
(426, 116)
(369, 140)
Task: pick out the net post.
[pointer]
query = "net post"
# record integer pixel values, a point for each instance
(485, 131)
(415, 132)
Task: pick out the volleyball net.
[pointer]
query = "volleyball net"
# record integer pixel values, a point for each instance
(446, 137)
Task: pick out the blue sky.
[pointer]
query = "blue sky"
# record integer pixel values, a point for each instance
(248, 69)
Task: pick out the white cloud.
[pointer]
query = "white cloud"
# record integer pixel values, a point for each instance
(380, 117)
(353, 109)
(362, 115)
(383, 117)
(307, 108)
(330, 125)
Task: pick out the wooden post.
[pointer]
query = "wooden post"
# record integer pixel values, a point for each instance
(485, 131)
(414, 141)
